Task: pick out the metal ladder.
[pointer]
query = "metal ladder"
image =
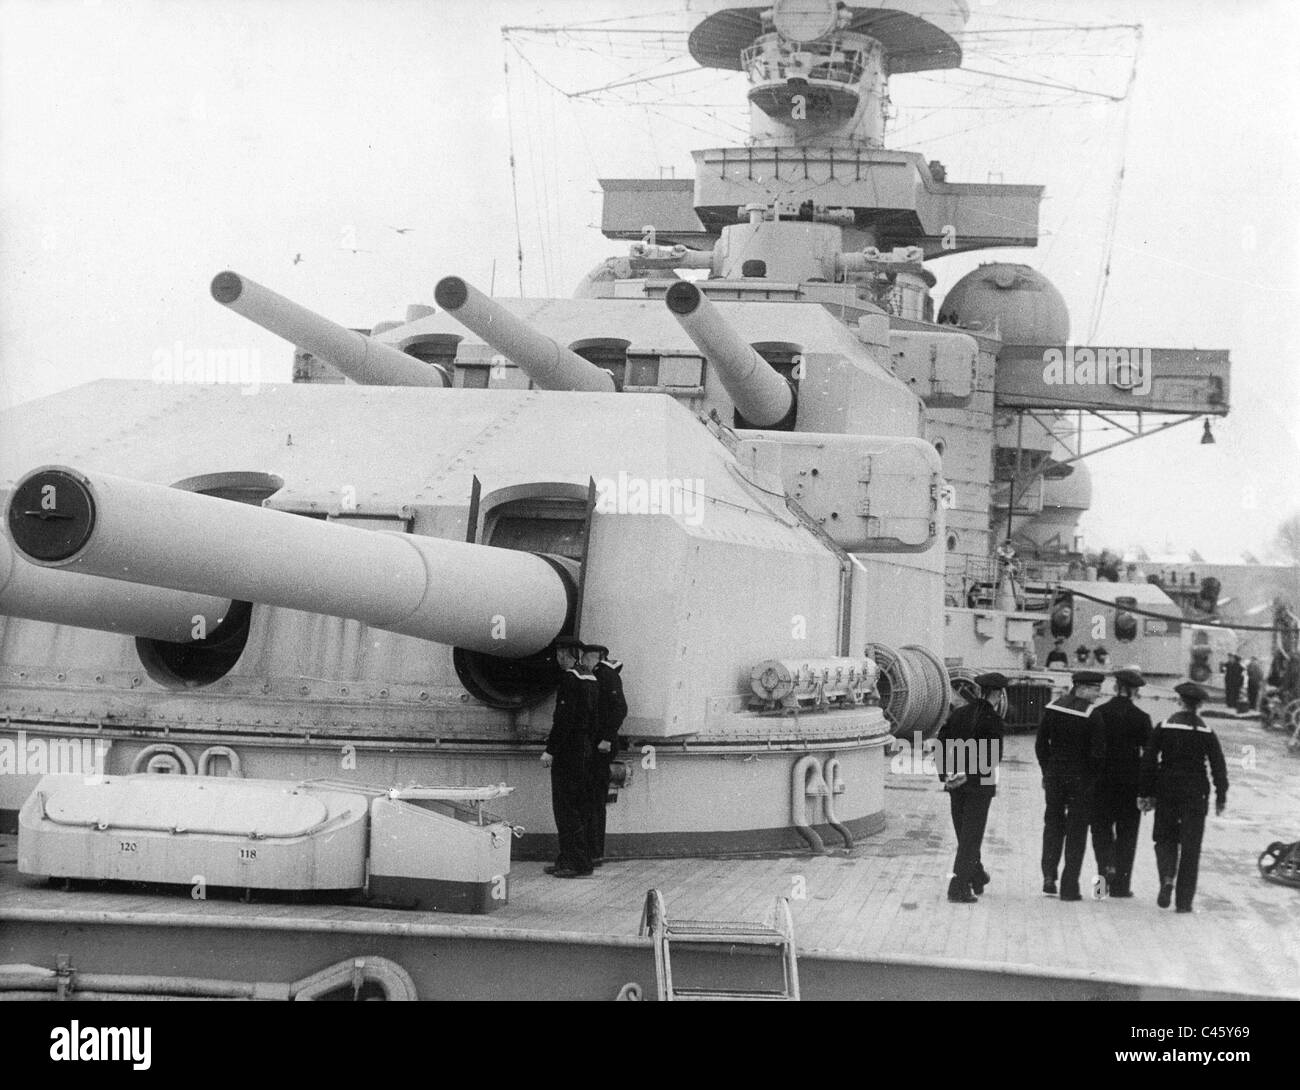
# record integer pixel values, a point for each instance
(779, 934)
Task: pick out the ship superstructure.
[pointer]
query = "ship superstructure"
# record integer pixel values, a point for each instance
(751, 454)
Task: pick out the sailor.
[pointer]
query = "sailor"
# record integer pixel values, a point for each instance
(1233, 675)
(1116, 817)
(969, 751)
(1175, 783)
(1254, 682)
(1070, 748)
(1057, 657)
(611, 710)
(567, 755)
(1082, 653)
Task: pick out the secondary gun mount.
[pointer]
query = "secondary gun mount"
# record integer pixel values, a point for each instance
(760, 394)
(478, 598)
(362, 359)
(551, 366)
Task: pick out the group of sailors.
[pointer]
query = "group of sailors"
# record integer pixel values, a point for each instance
(1103, 766)
(589, 710)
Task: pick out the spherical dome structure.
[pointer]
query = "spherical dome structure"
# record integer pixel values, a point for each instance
(1016, 302)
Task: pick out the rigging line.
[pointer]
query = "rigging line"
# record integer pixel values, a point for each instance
(514, 179)
(1085, 27)
(630, 82)
(537, 202)
(537, 165)
(1113, 213)
(559, 205)
(1043, 83)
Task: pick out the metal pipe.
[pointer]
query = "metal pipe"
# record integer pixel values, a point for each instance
(362, 359)
(87, 601)
(761, 395)
(498, 601)
(805, 769)
(548, 364)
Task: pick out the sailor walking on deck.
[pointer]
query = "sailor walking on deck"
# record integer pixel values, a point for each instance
(1174, 781)
(568, 756)
(611, 710)
(970, 749)
(1116, 817)
(1070, 747)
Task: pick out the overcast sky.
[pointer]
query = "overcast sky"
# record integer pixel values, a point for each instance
(145, 146)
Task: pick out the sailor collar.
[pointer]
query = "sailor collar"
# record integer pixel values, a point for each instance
(613, 664)
(1082, 713)
(579, 675)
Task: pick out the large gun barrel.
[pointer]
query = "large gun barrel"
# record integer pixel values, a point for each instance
(362, 359)
(87, 601)
(549, 365)
(496, 601)
(761, 395)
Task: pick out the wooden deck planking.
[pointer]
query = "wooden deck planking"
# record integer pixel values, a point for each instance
(887, 897)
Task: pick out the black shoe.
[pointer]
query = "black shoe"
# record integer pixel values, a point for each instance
(598, 862)
(959, 893)
(1070, 893)
(551, 869)
(1049, 886)
(978, 883)
(1166, 894)
(1121, 891)
(569, 872)
(1183, 908)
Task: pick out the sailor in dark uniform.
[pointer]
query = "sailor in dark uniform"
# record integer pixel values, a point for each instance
(1057, 655)
(611, 710)
(1115, 815)
(1174, 780)
(969, 751)
(568, 757)
(1233, 676)
(1070, 748)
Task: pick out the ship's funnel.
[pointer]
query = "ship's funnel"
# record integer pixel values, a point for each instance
(549, 365)
(362, 359)
(500, 602)
(760, 395)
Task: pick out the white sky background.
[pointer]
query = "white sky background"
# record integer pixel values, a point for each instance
(145, 146)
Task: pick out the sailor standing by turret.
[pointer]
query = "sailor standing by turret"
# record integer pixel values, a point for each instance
(568, 756)
(1175, 783)
(611, 710)
(970, 749)
(1070, 748)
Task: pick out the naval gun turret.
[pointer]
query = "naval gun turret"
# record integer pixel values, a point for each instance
(363, 359)
(549, 365)
(763, 398)
(496, 601)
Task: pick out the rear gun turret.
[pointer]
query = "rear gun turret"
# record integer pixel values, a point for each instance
(760, 394)
(362, 359)
(551, 366)
(499, 602)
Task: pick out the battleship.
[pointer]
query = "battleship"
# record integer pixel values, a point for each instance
(300, 645)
